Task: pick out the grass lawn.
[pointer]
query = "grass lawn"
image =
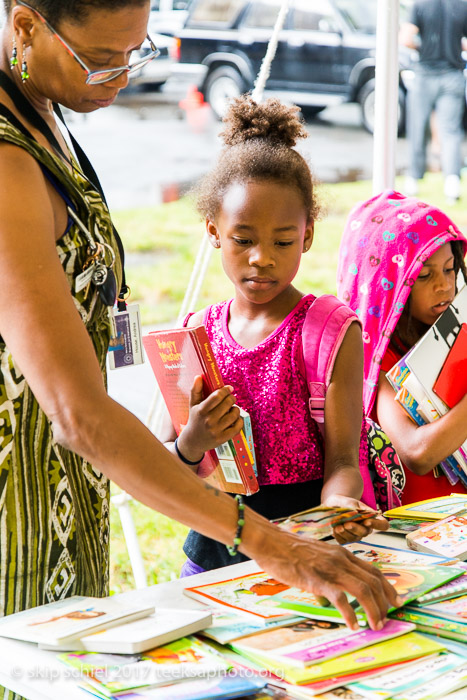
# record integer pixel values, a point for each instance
(161, 244)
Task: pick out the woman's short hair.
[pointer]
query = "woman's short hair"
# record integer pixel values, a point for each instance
(75, 10)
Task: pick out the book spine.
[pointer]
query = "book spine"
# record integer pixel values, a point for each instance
(235, 459)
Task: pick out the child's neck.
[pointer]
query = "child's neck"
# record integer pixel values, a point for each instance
(250, 324)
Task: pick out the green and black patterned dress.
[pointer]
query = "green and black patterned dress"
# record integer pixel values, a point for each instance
(54, 507)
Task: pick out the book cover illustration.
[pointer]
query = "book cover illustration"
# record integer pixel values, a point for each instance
(400, 526)
(452, 589)
(217, 688)
(176, 357)
(251, 593)
(446, 537)
(325, 640)
(404, 648)
(430, 623)
(451, 609)
(430, 508)
(318, 523)
(161, 627)
(451, 383)
(375, 553)
(397, 682)
(229, 626)
(409, 580)
(436, 345)
(114, 674)
(65, 620)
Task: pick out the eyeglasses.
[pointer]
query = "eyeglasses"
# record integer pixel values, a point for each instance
(95, 77)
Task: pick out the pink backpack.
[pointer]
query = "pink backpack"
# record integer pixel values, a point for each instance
(324, 328)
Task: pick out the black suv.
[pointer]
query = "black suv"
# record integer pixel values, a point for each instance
(325, 55)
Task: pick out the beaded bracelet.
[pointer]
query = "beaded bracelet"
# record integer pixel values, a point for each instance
(232, 550)
(184, 459)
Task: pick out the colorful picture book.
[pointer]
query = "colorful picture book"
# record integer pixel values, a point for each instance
(411, 681)
(432, 624)
(66, 621)
(400, 526)
(431, 508)
(409, 580)
(161, 627)
(452, 589)
(430, 364)
(408, 646)
(246, 594)
(451, 384)
(318, 523)
(313, 641)
(113, 674)
(378, 553)
(177, 356)
(451, 609)
(446, 537)
(217, 688)
(229, 626)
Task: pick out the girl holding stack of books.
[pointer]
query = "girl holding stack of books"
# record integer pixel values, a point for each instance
(400, 263)
(259, 205)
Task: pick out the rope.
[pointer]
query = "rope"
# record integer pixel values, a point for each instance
(265, 70)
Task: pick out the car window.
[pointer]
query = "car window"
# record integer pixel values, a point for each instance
(359, 14)
(219, 11)
(314, 16)
(262, 14)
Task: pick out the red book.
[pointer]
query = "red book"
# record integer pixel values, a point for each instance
(177, 356)
(451, 384)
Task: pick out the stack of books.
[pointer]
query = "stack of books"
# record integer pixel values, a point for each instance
(257, 637)
(432, 377)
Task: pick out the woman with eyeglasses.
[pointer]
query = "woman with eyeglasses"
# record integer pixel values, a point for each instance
(61, 436)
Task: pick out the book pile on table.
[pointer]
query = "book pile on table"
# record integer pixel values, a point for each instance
(262, 639)
(432, 377)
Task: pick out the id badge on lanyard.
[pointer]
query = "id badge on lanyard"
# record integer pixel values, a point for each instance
(125, 346)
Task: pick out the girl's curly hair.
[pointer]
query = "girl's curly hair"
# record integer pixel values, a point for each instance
(259, 145)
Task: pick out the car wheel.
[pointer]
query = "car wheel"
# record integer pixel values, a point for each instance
(366, 99)
(222, 85)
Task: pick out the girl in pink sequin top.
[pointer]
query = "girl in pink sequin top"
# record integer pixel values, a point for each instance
(260, 208)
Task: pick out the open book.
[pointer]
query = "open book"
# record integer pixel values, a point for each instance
(177, 356)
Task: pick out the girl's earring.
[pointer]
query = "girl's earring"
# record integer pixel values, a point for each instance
(217, 244)
(14, 55)
(24, 67)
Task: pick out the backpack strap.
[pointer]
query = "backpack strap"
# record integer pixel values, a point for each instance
(325, 325)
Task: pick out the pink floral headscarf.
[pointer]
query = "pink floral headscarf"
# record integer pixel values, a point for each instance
(385, 242)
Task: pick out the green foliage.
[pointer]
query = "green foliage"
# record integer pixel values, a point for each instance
(161, 244)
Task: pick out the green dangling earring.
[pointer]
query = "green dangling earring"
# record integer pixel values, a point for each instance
(24, 66)
(14, 55)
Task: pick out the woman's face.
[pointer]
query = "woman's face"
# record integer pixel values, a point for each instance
(435, 286)
(105, 39)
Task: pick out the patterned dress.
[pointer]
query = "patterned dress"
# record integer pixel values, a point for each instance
(54, 506)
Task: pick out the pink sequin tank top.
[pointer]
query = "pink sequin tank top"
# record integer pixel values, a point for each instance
(269, 383)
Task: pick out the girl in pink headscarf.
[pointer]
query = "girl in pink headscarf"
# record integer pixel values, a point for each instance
(398, 268)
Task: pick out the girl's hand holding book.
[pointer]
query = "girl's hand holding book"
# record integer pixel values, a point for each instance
(355, 531)
(212, 421)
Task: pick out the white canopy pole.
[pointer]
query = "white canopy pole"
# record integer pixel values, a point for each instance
(386, 95)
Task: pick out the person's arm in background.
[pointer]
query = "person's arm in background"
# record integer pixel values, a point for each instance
(420, 448)
(343, 412)
(49, 342)
(409, 36)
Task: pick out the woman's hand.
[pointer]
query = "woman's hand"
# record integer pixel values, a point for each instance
(354, 531)
(325, 570)
(212, 421)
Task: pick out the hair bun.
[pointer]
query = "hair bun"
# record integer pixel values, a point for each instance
(271, 120)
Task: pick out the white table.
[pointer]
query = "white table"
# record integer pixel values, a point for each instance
(38, 675)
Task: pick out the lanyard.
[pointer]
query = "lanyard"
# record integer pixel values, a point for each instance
(26, 109)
